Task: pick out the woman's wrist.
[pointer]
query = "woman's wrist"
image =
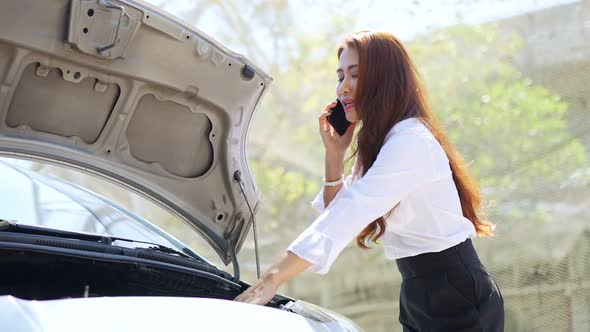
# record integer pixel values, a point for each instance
(334, 183)
(272, 277)
(337, 157)
(334, 167)
(286, 268)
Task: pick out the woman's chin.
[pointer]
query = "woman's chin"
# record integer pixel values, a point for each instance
(351, 117)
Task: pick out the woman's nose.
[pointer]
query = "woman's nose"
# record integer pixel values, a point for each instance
(344, 87)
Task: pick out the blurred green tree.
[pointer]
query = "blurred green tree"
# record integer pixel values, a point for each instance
(513, 133)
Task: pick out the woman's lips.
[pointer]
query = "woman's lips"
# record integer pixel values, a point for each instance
(348, 104)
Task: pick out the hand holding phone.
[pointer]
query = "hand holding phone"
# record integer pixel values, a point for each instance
(337, 119)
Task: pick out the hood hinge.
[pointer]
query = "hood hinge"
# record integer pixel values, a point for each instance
(103, 28)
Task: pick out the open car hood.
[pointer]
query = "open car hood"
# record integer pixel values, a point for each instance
(122, 90)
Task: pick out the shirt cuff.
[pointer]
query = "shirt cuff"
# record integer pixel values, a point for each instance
(315, 248)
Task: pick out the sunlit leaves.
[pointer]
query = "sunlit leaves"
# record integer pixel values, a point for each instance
(514, 131)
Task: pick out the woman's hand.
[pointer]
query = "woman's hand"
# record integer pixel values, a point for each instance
(266, 287)
(260, 293)
(335, 144)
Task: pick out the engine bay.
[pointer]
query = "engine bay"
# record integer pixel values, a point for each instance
(44, 276)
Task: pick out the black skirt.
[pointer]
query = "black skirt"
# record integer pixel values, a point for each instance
(449, 291)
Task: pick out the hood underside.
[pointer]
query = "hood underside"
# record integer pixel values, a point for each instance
(123, 91)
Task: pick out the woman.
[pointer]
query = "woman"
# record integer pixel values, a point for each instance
(410, 189)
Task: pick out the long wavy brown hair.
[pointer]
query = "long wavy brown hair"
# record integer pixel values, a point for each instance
(388, 90)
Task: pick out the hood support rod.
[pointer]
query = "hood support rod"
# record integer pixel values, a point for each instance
(238, 178)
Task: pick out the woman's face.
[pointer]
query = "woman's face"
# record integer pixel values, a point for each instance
(347, 75)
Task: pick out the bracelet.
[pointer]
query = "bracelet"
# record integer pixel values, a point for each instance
(334, 183)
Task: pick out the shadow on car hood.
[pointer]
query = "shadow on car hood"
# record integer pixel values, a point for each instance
(124, 91)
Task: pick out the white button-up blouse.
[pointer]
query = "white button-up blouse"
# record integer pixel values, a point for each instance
(411, 169)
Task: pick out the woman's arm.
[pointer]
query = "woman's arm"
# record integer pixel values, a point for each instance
(290, 264)
(405, 163)
(334, 167)
(266, 287)
(335, 147)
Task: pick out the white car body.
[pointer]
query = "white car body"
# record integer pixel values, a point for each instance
(149, 314)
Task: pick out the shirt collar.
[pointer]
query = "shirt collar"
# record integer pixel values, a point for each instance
(404, 125)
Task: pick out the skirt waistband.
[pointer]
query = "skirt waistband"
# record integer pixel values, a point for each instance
(427, 263)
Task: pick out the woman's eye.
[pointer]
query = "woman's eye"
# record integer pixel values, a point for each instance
(340, 79)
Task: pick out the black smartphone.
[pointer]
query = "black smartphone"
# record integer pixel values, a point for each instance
(337, 119)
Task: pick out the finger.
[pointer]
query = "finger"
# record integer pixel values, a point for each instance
(323, 121)
(330, 105)
(325, 113)
(333, 132)
(243, 297)
(240, 298)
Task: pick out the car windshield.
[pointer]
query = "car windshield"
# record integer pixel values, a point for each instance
(33, 198)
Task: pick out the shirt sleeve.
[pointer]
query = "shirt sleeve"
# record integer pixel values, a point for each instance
(403, 164)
